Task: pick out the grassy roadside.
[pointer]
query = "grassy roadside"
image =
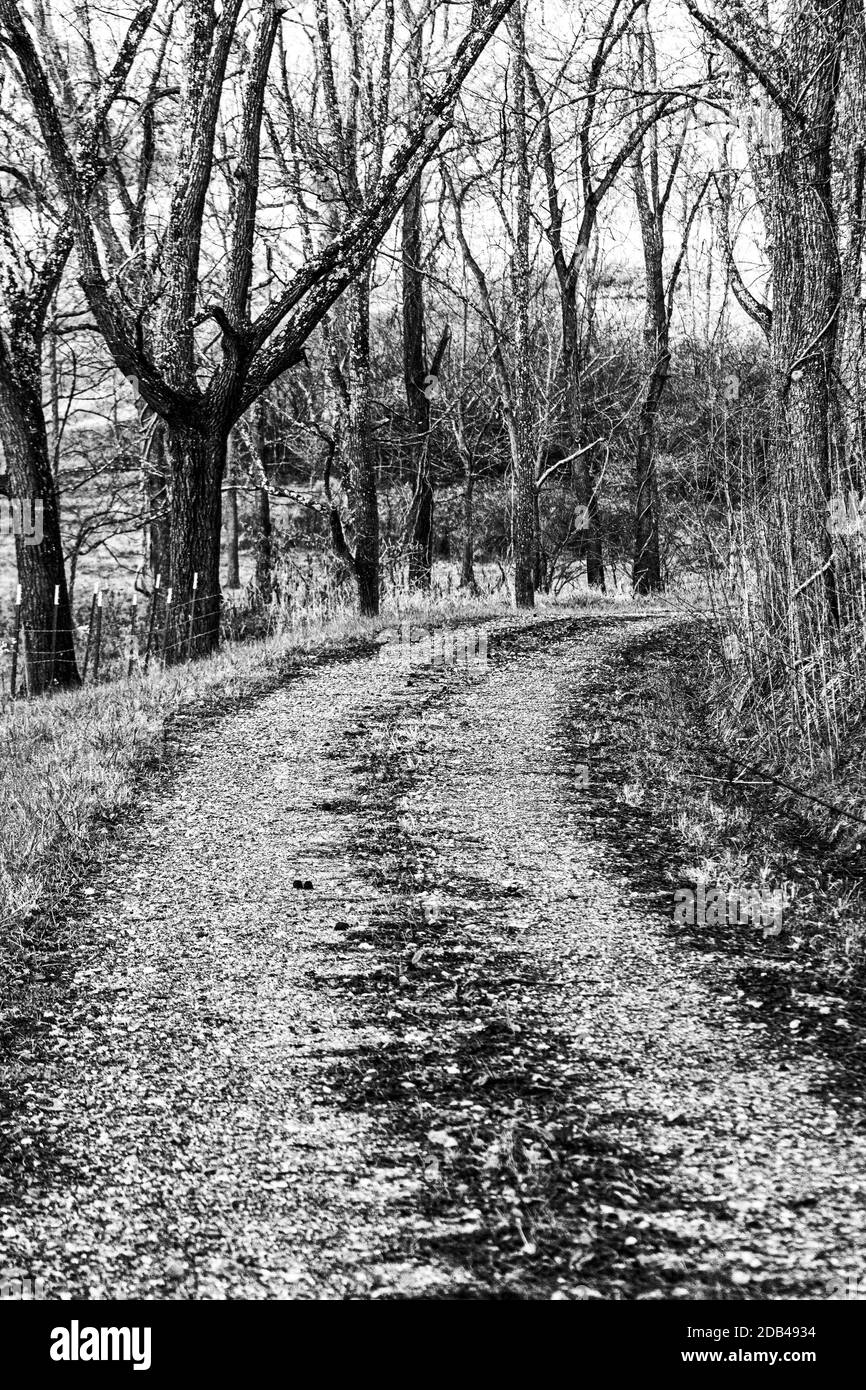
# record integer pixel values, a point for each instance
(687, 754)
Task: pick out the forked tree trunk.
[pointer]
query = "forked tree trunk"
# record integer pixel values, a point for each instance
(196, 458)
(253, 353)
(40, 566)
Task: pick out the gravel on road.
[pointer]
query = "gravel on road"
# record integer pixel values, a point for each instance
(364, 1007)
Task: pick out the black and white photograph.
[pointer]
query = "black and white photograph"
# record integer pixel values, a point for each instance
(432, 672)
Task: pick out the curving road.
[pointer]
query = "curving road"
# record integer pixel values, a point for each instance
(470, 1061)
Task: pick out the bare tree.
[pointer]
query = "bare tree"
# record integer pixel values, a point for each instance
(652, 195)
(420, 376)
(33, 259)
(524, 516)
(591, 185)
(510, 327)
(419, 524)
(251, 352)
(785, 71)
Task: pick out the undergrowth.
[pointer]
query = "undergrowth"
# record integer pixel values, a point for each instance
(743, 818)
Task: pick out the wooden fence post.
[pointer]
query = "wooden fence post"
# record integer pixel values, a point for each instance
(54, 635)
(28, 680)
(87, 648)
(165, 624)
(16, 637)
(191, 616)
(98, 637)
(132, 633)
(150, 621)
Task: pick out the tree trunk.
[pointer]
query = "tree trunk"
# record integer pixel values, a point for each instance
(40, 566)
(851, 218)
(196, 458)
(646, 566)
(158, 509)
(793, 173)
(230, 505)
(264, 546)
(421, 525)
(359, 463)
(262, 527)
(574, 433)
(806, 297)
(420, 520)
(523, 453)
(467, 566)
(539, 574)
(646, 569)
(523, 534)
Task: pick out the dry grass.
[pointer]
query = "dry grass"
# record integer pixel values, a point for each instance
(787, 684)
(688, 743)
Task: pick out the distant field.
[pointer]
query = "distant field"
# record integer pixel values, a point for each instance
(115, 561)
(113, 564)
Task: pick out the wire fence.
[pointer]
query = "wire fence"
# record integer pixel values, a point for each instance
(171, 629)
(119, 637)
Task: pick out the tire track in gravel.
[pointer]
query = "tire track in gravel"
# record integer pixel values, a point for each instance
(467, 1063)
(593, 1119)
(174, 1132)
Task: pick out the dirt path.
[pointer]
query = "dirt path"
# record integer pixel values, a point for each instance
(469, 1061)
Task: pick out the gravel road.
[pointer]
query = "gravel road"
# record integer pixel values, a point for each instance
(470, 1060)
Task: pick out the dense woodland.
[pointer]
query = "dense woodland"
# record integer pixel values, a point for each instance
(571, 290)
